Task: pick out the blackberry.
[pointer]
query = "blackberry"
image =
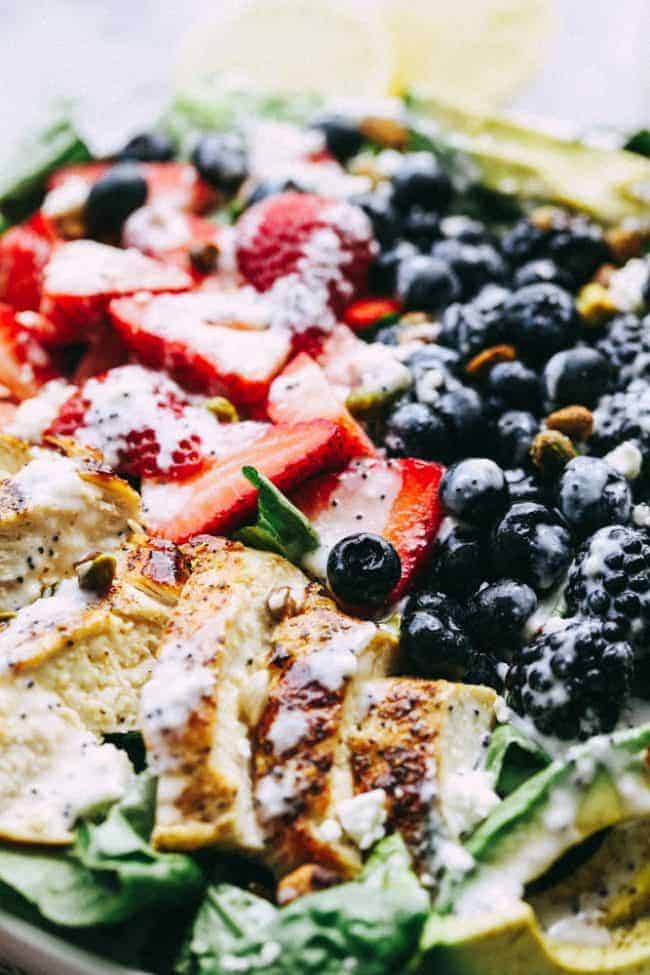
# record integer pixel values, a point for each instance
(542, 271)
(433, 638)
(573, 682)
(458, 562)
(623, 416)
(474, 490)
(483, 668)
(513, 435)
(610, 579)
(532, 544)
(541, 319)
(577, 376)
(496, 616)
(592, 494)
(626, 346)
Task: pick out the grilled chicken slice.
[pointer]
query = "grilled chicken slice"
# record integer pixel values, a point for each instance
(319, 664)
(234, 663)
(53, 511)
(96, 651)
(52, 769)
(423, 745)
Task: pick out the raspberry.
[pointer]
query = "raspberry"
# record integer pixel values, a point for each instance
(572, 682)
(324, 243)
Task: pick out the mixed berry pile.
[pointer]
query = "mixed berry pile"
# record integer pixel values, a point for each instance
(460, 406)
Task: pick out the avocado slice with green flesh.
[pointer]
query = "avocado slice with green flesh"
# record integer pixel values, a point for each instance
(597, 784)
(516, 944)
(609, 184)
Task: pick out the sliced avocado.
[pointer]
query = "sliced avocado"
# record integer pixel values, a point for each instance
(596, 785)
(609, 184)
(514, 944)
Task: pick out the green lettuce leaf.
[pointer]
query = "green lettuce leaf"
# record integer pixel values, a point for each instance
(370, 926)
(639, 143)
(513, 758)
(110, 874)
(23, 174)
(280, 526)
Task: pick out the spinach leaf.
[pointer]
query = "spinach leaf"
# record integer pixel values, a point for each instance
(370, 926)
(22, 177)
(513, 758)
(280, 526)
(110, 874)
(639, 142)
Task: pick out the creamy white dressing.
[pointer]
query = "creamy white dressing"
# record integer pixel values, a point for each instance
(156, 228)
(363, 817)
(50, 480)
(361, 501)
(627, 285)
(35, 415)
(85, 267)
(288, 729)
(627, 459)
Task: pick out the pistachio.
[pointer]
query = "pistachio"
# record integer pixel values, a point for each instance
(284, 602)
(548, 217)
(223, 409)
(6, 615)
(576, 422)
(204, 256)
(626, 242)
(386, 131)
(305, 880)
(484, 360)
(96, 572)
(594, 304)
(551, 451)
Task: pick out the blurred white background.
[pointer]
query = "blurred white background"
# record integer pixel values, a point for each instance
(595, 71)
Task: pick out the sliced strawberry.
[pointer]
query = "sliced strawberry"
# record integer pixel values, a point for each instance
(25, 365)
(397, 499)
(7, 414)
(220, 498)
(368, 312)
(325, 246)
(211, 342)
(302, 392)
(24, 252)
(82, 277)
(162, 231)
(106, 350)
(177, 183)
(369, 370)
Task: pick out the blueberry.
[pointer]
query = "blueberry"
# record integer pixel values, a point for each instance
(517, 386)
(524, 486)
(432, 636)
(426, 284)
(116, 194)
(483, 668)
(385, 221)
(592, 494)
(524, 242)
(458, 562)
(468, 331)
(497, 614)
(220, 158)
(465, 229)
(414, 430)
(532, 544)
(342, 136)
(420, 181)
(148, 147)
(474, 264)
(363, 569)
(580, 375)
(474, 490)
(462, 411)
(542, 271)
(541, 319)
(420, 227)
(514, 433)
(383, 270)
(579, 248)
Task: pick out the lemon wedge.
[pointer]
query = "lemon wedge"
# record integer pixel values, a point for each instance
(332, 49)
(471, 52)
